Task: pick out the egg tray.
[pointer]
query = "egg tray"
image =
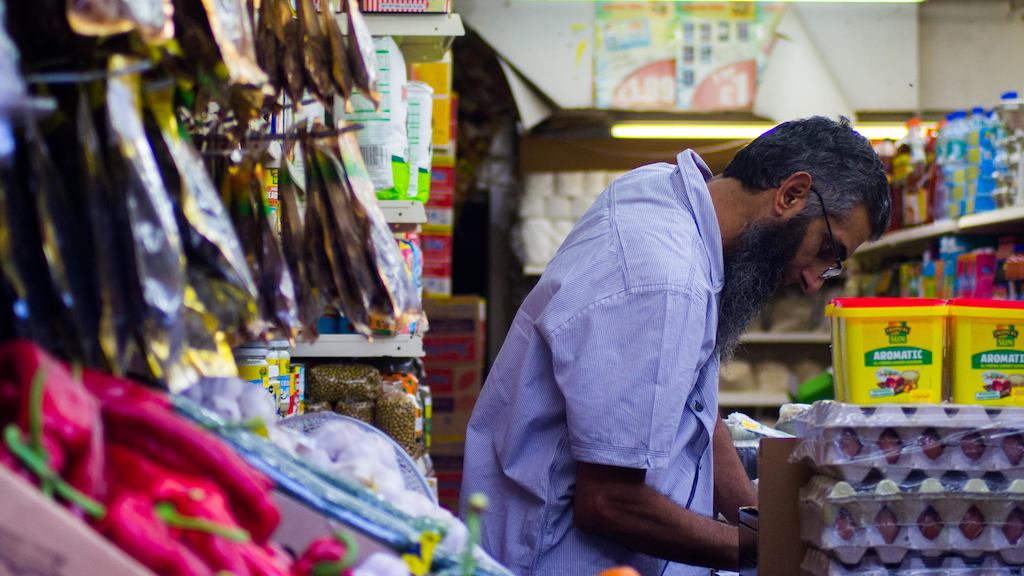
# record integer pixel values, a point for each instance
(819, 563)
(892, 441)
(971, 516)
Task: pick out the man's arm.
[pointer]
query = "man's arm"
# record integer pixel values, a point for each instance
(732, 487)
(615, 503)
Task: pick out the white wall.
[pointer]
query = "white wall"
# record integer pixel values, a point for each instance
(971, 52)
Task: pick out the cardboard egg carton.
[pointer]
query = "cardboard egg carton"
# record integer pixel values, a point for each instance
(894, 441)
(931, 518)
(818, 563)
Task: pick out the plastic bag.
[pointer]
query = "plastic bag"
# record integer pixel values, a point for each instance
(340, 72)
(397, 415)
(973, 517)
(343, 383)
(817, 563)
(158, 273)
(857, 443)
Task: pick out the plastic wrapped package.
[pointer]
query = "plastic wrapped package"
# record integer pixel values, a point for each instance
(580, 206)
(316, 52)
(363, 411)
(570, 184)
(384, 140)
(818, 563)
(971, 516)
(334, 383)
(398, 414)
(361, 52)
(774, 376)
(893, 441)
(594, 182)
(538, 237)
(421, 106)
(558, 208)
(540, 184)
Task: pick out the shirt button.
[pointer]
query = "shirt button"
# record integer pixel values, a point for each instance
(698, 406)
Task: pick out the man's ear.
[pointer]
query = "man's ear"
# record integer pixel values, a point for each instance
(792, 195)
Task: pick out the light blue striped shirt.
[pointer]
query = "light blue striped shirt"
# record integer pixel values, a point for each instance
(610, 360)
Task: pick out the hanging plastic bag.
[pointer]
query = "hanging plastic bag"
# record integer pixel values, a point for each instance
(315, 52)
(158, 274)
(277, 289)
(361, 53)
(153, 19)
(292, 239)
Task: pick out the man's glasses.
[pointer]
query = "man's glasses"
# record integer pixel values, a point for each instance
(837, 269)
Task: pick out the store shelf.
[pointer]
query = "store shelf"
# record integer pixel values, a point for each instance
(993, 222)
(403, 211)
(533, 270)
(785, 338)
(422, 37)
(752, 399)
(909, 237)
(355, 346)
(1005, 220)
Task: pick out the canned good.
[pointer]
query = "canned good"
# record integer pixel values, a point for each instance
(253, 366)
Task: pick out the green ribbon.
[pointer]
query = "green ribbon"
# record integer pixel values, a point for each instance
(36, 459)
(166, 512)
(339, 566)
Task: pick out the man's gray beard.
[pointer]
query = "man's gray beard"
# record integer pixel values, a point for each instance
(754, 271)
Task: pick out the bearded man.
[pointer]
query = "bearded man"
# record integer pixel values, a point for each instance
(597, 436)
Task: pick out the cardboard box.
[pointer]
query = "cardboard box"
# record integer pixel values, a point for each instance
(442, 182)
(38, 536)
(779, 548)
(437, 261)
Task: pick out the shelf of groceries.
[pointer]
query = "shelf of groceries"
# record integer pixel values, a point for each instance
(403, 211)
(357, 346)
(421, 37)
(993, 221)
(752, 399)
(796, 338)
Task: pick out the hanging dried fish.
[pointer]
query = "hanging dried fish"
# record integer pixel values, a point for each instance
(218, 271)
(232, 30)
(71, 283)
(402, 305)
(277, 290)
(336, 235)
(292, 235)
(315, 53)
(361, 53)
(114, 328)
(340, 73)
(159, 263)
(153, 19)
(293, 61)
(268, 47)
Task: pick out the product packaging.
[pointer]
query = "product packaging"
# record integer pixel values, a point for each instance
(897, 442)
(930, 517)
(420, 140)
(383, 139)
(889, 350)
(987, 353)
(818, 563)
(334, 383)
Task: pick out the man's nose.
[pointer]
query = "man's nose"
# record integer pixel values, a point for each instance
(812, 281)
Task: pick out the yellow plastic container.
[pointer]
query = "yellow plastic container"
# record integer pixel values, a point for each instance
(837, 358)
(987, 352)
(888, 350)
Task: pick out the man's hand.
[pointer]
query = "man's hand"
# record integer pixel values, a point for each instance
(616, 503)
(732, 487)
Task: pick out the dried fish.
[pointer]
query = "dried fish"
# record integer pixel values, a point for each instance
(361, 53)
(340, 73)
(153, 19)
(232, 30)
(315, 53)
(292, 235)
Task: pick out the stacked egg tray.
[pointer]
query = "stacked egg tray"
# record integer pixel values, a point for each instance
(929, 517)
(817, 563)
(865, 443)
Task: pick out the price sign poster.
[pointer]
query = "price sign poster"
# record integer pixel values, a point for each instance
(712, 53)
(636, 45)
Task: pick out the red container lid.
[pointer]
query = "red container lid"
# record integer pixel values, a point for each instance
(885, 302)
(986, 303)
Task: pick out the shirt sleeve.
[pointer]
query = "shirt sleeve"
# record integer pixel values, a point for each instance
(625, 366)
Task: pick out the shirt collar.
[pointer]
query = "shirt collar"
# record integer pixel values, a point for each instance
(695, 175)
